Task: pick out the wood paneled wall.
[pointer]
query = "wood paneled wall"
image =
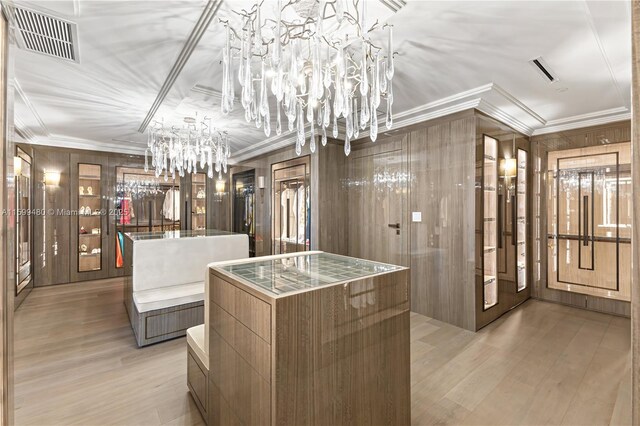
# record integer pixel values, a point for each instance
(635, 239)
(442, 170)
(441, 248)
(52, 254)
(540, 146)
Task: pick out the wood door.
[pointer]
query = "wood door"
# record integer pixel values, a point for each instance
(377, 213)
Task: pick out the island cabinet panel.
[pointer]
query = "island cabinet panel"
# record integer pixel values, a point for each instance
(341, 355)
(315, 352)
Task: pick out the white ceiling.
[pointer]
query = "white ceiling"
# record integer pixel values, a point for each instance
(452, 56)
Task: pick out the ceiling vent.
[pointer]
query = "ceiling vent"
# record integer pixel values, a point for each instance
(543, 69)
(46, 34)
(394, 5)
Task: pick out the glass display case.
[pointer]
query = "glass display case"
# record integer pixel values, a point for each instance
(22, 171)
(89, 217)
(198, 201)
(490, 225)
(143, 203)
(521, 221)
(287, 274)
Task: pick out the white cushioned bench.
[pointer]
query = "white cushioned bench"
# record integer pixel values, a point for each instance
(198, 368)
(164, 292)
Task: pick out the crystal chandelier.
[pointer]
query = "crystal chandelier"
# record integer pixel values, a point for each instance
(318, 61)
(180, 149)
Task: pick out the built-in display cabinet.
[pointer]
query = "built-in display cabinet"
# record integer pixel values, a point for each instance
(291, 205)
(244, 206)
(88, 216)
(92, 199)
(199, 196)
(522, 207)
(502, 220)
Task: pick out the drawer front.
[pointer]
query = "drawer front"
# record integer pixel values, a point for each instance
(247, 344)
(246, 392)
(252, 312)
(173, 321)
(197, 380)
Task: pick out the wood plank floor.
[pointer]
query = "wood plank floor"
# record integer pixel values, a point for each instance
(76, 363)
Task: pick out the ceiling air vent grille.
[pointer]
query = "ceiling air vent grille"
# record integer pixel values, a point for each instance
(543, 69)
(47, 35)
(394, 5)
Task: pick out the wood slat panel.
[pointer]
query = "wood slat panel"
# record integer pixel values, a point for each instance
(165, 323)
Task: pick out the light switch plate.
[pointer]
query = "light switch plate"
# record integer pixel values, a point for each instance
(416, 216)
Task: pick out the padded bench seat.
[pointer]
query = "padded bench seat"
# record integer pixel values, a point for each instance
(195, 340)
(165, 297)
(166, 272)
(198, 368)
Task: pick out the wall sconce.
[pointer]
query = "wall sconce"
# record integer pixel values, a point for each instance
(508, 167)
(17, 166)
(52, 178)
(260, 182)
(220, 185)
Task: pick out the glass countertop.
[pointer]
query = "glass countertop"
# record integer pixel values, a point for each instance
(167, 235)
(299, 272)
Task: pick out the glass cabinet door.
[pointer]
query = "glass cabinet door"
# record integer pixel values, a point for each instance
(291, 212)
(244, 201)
(490, 226)
(590, 220)
(89, 218)
(521, 220)
(22, 170)
(198, 201)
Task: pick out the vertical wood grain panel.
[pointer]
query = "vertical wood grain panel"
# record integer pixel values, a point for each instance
(442, 164)
(51, 232)
(337, 364)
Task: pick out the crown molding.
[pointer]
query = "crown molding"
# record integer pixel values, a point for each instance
(585, 120)
(87, 144)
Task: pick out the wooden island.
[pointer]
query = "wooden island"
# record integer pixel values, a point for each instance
(308, 339)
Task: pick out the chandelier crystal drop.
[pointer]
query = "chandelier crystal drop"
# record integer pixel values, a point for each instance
(182, 149)
(315, 61)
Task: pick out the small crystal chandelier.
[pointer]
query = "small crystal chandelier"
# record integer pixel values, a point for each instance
(179, 149)
(322, 65)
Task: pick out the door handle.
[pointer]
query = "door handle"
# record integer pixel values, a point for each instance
(394, 225)
(585, 219)
(514, 221)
